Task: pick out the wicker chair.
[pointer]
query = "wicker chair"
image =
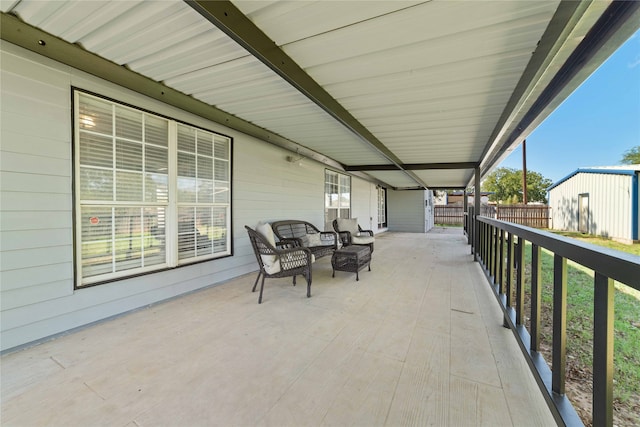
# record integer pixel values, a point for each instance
(362, 237)
(275, 263)
(297, 233)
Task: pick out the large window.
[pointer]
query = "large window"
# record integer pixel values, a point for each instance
(151, 193)
(337, 196)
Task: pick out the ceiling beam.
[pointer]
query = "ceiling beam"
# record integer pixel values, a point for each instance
(413, 166)
(230, 20)
(447, 188)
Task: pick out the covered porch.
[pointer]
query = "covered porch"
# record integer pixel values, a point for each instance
(417, 341)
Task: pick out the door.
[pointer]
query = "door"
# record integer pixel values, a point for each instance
(583, 213)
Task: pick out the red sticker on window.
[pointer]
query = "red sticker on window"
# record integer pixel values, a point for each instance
(94, 220)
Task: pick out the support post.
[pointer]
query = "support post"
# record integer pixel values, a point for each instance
(465, 215)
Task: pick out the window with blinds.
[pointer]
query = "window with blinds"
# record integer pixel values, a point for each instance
(151, 193)
(337, 196)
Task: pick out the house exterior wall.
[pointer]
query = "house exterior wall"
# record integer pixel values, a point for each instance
(37, 293)
(364, 205)
(610, 204)
(406, 211)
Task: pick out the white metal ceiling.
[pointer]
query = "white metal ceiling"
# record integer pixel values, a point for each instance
(430, 80)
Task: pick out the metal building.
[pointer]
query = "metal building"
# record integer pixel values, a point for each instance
(602, 201)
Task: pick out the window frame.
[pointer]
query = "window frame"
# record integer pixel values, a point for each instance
(340, 207)
(382, 207)
(171, 256)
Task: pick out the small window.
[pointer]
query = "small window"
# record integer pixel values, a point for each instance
(137, 210)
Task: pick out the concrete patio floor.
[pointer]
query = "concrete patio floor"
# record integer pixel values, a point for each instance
(417, 341)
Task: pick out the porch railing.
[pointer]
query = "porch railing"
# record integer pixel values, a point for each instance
(499, 247)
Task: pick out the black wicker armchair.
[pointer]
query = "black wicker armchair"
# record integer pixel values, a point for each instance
(275, 263)
(304, 234)
(349, 235)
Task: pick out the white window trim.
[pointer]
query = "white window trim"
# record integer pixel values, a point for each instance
(339, 208)
(171, 224)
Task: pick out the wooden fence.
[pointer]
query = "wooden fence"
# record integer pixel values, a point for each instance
(535, 216)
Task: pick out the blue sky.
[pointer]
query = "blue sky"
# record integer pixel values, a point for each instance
(597, 123)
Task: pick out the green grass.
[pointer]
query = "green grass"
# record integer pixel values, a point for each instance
(580, 296)
(633, 249)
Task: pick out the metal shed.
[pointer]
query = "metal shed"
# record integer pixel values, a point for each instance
(602, 201)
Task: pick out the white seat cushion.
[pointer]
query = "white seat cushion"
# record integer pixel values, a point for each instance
(348, 224)
(362, 240)
(271, 262)
(313, 239)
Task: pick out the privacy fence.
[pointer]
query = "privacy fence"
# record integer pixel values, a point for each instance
(531, 216)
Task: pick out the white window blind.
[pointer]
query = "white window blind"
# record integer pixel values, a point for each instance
(126, 218)
(203, 192)
(337, 197)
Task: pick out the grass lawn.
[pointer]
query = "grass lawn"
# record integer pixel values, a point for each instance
(580, 335)
(633, 249)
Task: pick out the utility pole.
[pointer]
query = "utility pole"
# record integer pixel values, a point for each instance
(524, 171)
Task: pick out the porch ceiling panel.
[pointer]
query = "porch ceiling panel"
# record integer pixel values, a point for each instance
(349, 83)
(389, 67)
(170, 42)
(443, 178)
(396, 179)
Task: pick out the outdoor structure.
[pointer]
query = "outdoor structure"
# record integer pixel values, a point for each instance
(139, 138)
(410, 211)
(602, 201)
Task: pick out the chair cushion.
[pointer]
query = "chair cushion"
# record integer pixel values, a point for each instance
(362, 240)
(271, 263)
(348, 224)
(273, 266)
(313, 239)
(265, 229)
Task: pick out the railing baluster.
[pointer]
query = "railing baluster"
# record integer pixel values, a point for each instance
(490, 253)
(484, 243)
(603, 336)
(536, 296)
(559, 353)
(510, 253)
(501, 266)
(496, 254)
(520, 283)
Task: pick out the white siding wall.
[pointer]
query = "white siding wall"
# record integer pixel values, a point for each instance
(364, 203)
(36, 253)
(609, 204)
(406, 211)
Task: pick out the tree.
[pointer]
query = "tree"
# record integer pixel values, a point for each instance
(631, 156)
(506, 186)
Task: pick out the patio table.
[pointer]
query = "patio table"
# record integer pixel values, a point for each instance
(351, 259)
